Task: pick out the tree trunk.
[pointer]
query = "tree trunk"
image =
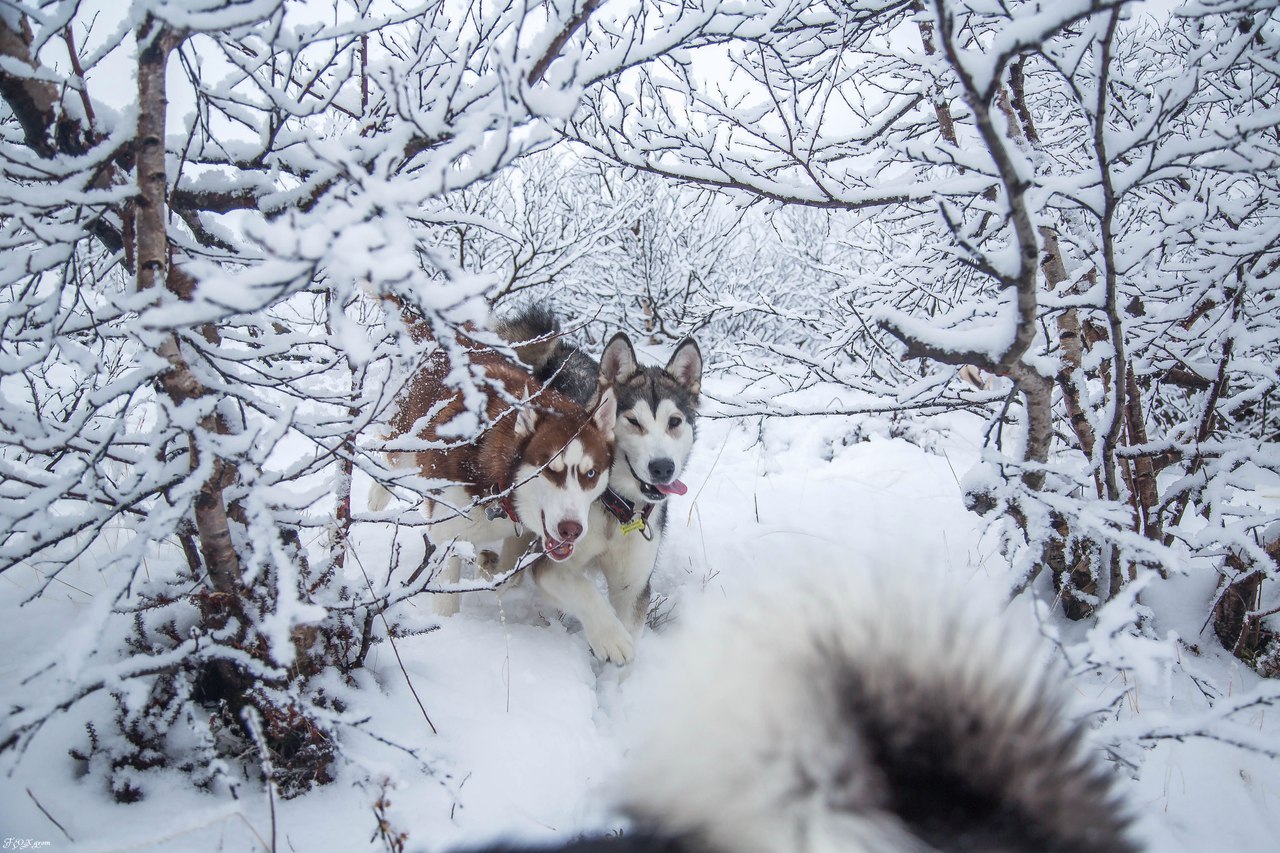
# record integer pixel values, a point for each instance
(1237, 619)
(153, 269)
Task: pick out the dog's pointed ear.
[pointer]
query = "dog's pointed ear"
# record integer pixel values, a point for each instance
(526, 420)
(606, 413)
(619, 359)
(686, 365)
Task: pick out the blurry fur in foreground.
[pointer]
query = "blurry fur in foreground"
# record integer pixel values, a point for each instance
(840, 711)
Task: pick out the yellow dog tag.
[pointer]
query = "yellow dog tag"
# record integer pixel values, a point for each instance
(633, 526)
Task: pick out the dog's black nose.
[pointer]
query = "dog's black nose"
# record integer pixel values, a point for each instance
(662, 470)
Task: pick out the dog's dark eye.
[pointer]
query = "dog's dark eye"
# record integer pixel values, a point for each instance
(635, 423)
(674, 422)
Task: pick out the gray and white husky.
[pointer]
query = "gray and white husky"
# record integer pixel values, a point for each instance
(832, 710)
(653, 436)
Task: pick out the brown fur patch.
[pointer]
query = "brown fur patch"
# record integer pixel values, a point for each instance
(488, 464)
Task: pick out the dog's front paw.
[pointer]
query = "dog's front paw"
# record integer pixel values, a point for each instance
(612, 643)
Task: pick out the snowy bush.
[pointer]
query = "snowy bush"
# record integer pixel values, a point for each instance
(198, 199)
(1077, 200)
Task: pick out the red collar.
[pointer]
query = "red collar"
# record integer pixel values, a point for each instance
(504, 508)
(509, 507)
(625, 511)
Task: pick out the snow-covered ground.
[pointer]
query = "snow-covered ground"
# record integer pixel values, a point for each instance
(530, 729)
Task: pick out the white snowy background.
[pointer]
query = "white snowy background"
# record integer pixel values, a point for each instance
(844, 201)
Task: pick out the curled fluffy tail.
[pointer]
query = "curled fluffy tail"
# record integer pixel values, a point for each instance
(536, 337)
(534, 333)
(844, 711)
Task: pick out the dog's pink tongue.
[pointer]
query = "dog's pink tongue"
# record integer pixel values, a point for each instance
(675, 487)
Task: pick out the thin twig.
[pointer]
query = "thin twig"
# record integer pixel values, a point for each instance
(390, 639)
(52, 819)
(253, 722)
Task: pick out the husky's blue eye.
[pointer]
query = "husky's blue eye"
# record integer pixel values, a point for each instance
(591, 475)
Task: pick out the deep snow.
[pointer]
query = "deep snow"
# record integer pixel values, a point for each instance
(531, 729)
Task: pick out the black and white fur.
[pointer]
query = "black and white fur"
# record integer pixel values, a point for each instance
(837, 711)
(538, 339)
(653, 437)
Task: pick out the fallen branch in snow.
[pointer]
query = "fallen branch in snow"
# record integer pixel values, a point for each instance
(51, 818)
(1202, 726)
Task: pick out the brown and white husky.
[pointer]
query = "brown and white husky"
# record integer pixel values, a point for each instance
(538, 463)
